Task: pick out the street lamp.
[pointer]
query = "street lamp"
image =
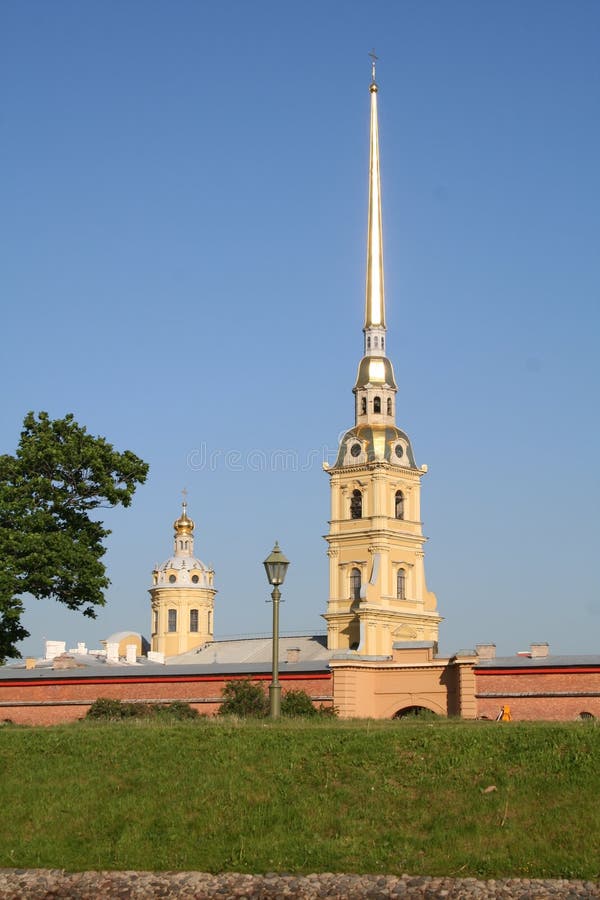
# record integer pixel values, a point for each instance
(275, 566)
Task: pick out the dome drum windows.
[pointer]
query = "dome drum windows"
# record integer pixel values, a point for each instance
(172, 579)
(172, 620)
(194, 620)
(376, 404)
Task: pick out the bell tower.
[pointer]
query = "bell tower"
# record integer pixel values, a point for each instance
(377, 589)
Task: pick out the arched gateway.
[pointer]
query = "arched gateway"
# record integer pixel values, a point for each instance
(415, 712)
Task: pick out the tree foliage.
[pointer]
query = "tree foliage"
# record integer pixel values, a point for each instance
(106, 709)
(297, 703)
(244, 698)
(49, 544)
(247, 698)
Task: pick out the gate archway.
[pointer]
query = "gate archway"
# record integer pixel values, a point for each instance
(415, 712)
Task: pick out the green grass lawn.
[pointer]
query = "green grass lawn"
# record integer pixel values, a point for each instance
(295, 796)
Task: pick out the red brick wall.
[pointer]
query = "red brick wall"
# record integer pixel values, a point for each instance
(552, 694)
(50, 702)
(545, 693)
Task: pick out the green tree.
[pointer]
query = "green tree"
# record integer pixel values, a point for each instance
(297, 703)
(244, 698)
(49, 544)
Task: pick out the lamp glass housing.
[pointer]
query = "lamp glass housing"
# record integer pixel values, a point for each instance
(276, 566)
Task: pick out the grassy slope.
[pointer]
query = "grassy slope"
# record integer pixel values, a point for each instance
(296, 797)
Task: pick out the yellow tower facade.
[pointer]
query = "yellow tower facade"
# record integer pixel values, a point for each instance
(377, 590)
(182, 596)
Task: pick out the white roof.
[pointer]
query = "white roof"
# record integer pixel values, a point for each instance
(255, 650)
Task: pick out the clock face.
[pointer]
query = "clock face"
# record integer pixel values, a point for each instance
(355, 449)
(399, 451)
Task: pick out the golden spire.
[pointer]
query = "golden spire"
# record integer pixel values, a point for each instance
(375, 302)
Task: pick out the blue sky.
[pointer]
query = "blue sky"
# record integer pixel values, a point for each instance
(183, 218)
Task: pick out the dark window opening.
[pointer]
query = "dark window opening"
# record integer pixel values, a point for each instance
(377, 405)
(399, 505)
(172, 579)
(172, 626)
(389, 406)
(355, 581)
(356, 505)
(363, 406)
(193, 620)
(401, 584)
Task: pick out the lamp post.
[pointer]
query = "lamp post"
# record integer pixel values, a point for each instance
(275, 566)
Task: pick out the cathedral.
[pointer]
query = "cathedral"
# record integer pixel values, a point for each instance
(380, 656)
(382, 621)
(377, 588)
(378, 593)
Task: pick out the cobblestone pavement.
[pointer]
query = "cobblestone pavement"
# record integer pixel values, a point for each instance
(51, 884)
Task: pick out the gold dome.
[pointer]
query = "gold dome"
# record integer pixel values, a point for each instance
(183, 525)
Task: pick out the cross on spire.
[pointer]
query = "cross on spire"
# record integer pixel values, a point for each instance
(373, 57)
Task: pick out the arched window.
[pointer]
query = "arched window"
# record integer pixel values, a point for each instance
(363, 406)
(172, 620)
(193, 620)
(399, 505)
(377, 404)
(389, 406)
(355, 580)
(368, 343)
(356, 505)
(401, 584)
(382, 343)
